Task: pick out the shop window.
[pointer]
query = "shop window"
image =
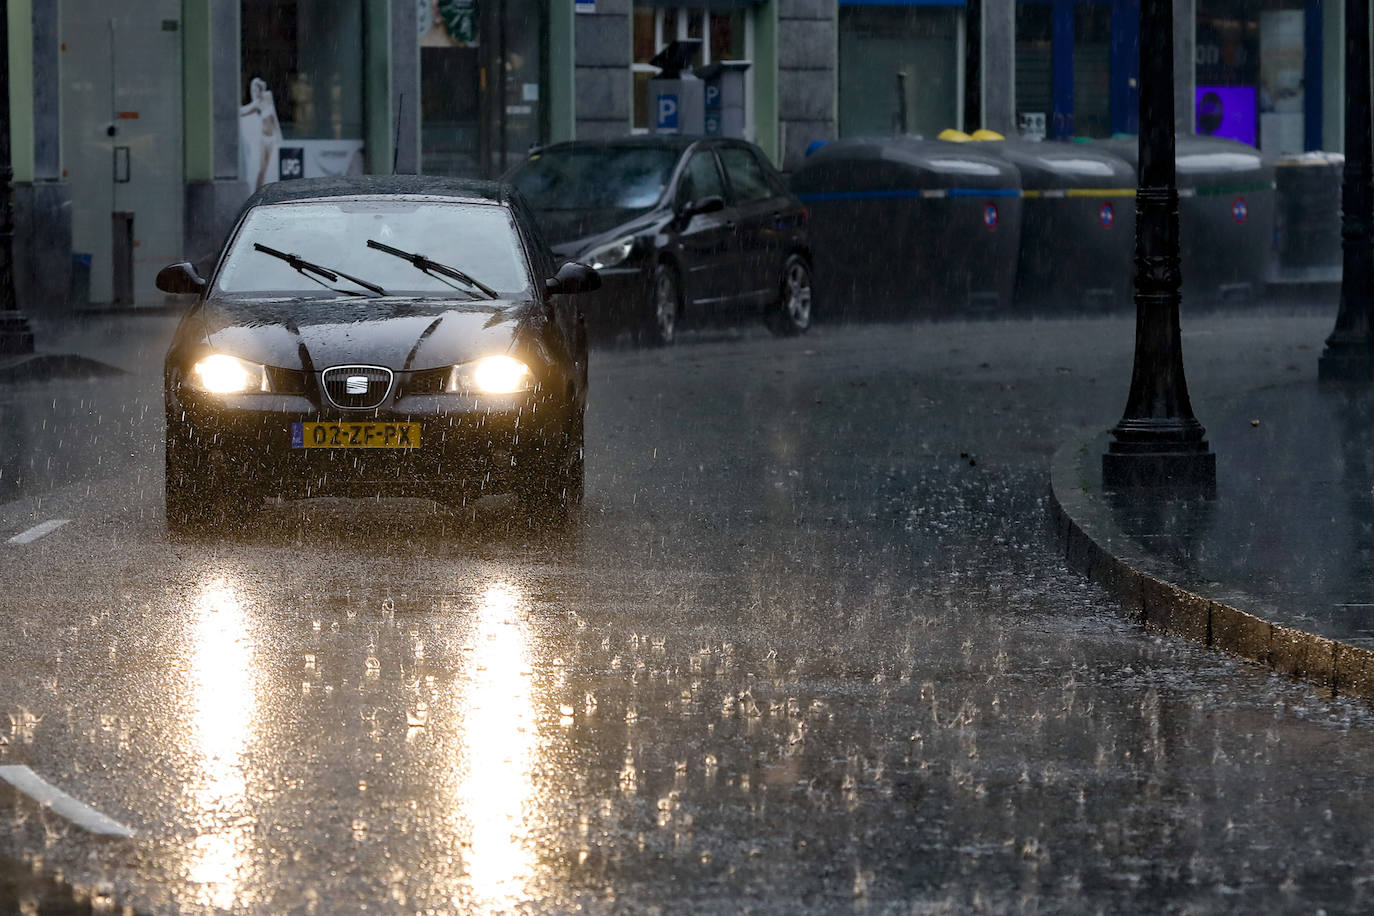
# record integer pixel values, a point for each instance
(1092, 70)
(725, 35)
(483, 75)
(301, 98)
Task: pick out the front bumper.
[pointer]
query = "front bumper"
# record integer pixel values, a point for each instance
(468, 446)
(622, 302)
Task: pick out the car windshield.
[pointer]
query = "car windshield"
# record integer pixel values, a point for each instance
(596, 178)
(478, 239)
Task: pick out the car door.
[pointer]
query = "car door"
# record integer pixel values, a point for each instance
(706, 242)
(565, 336)
(764, 217)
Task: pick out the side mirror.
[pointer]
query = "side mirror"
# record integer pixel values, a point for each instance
(180, 278)
(712, 204)
(574, 278)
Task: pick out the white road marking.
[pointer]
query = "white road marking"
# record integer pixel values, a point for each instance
(51, 797)
(38, 531)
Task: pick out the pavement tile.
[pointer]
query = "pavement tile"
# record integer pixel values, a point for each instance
(1303, 655)
(1355, 671)
(1169, 609)
(1240, 633)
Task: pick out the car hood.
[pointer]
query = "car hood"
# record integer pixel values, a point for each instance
(571, 230)
(397, 333)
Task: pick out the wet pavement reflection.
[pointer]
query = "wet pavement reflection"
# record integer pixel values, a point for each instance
(810, 654)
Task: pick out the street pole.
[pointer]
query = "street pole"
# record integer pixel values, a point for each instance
(1349, 353)
(15, 336)
(1158, 443)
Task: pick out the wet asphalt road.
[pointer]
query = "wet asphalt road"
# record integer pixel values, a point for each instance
(807, 648)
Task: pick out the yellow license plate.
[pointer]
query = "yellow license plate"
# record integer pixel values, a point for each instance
(355, 435)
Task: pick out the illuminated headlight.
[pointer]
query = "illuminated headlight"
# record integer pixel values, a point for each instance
(611, 255)
(491, 375)
(224, 374)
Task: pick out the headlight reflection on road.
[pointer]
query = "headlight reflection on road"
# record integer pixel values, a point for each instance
(499, 737)
(224, 692)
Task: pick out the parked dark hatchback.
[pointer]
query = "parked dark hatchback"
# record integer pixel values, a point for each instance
(681, 229)
(385, 336)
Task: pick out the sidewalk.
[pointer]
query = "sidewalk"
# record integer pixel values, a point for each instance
(1279, 568)
(77, 344)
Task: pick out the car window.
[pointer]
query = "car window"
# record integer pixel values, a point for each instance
(478, 239)
(595, 178)
(747, 177)
(540, 252)
(700, 179)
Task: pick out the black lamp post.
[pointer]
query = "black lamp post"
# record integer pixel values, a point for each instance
(15, 336)
(1349, 353)
(1158, 443)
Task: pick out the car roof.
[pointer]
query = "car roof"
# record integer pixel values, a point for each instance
(673, 142)
(381, 186)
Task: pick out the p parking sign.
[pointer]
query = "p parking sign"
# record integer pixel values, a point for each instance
(668, 108)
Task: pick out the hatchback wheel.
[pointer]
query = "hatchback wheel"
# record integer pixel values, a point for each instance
(664, 304)
(558, 489)
(792, 312)
(200, 499)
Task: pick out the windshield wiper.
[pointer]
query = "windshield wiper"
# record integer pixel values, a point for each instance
(434, 267)
(307, 267)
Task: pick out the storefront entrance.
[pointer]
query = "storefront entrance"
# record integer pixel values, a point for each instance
(121, 137)
(482, 85)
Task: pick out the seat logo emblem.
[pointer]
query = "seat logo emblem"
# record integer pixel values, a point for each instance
(356, 384)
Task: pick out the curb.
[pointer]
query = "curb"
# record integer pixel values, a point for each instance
(1141, 583)
(40, 367)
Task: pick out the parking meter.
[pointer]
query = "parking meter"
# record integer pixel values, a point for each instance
(677, 98)
(724, 97)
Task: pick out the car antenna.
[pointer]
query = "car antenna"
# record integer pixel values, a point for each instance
(396, 147)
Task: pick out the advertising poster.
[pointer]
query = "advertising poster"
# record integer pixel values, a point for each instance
(1226, 111)
(448, 23)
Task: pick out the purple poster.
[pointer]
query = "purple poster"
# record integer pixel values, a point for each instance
(1226, 111)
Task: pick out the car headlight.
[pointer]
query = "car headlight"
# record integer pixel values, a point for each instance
(491, 375)
(611, 255)
(220, 373)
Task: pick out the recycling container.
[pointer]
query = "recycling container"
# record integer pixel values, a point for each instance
(1077, 224)
(903, 226)
(1308, 220)
(1226, 215)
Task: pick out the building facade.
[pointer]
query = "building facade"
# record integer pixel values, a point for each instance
(138, 128)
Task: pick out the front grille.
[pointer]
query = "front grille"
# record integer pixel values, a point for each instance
(286, 381)
(427, 381)
(356, 387)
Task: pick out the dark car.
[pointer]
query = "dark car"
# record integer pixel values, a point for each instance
(681, 229)
(384, 336)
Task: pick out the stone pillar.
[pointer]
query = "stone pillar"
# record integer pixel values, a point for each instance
(562, 81)
(766, 130)
(405, 86)
(210, 39)
(1333, 76)
(601, 70)
(998, 77)
(808, 40)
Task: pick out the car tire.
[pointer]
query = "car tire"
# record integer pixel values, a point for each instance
(791, 314)
(200, 501)
(665, 307)
(551, 497)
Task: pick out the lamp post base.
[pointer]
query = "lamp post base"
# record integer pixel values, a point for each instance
(1346, 364)
(1182, 473)
(15, 334)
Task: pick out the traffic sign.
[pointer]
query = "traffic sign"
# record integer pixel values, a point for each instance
(667, 111)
